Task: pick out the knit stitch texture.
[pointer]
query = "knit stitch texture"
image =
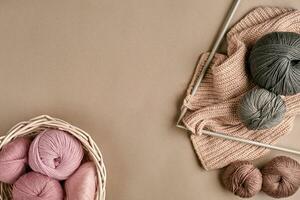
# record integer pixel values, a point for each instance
(215, 104)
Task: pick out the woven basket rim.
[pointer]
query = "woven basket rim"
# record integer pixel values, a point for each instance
(35, 125)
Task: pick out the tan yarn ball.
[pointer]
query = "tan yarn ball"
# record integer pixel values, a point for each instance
(242, 178)
(281, 177)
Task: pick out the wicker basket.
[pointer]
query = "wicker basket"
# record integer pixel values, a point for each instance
(35, 126)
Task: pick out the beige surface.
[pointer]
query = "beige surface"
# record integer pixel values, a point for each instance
(118, 69)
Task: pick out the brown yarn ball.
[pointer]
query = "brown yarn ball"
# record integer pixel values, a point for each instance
(242, 178)
(281, 177)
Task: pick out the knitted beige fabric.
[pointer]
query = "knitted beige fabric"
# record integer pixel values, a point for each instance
(215, 104)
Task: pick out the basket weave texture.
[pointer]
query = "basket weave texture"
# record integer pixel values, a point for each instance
(35, 126)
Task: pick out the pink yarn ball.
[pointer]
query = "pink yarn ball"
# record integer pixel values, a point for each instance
(35, 186)
(55, 153)
(13, 160)
(82, 184)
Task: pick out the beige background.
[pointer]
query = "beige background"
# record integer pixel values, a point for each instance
(118, 69)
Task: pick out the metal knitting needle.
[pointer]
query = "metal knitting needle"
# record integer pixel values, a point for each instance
(220, 36)
(251, 142)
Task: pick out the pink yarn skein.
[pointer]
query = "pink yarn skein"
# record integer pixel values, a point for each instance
(13, 160)
(55, 153)
(35, 186)
(82, 184)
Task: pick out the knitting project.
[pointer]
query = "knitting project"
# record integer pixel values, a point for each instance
(215, 104)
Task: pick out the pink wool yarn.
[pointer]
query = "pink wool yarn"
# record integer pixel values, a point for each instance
(55, 153)
(35, 186)
(13, 160)
(82, 184)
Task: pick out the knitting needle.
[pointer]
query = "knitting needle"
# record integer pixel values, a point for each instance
(251, 142)
(220, 36)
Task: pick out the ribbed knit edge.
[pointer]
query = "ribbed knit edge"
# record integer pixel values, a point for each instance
(203, 163)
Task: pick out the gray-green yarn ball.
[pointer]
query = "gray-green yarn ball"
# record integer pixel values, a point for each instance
(275, 62)
(261, 109)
